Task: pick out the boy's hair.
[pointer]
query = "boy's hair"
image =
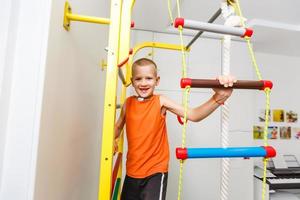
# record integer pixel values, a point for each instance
(143, 62)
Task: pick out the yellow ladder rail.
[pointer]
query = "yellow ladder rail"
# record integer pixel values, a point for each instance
(123, 53)
(109, 114)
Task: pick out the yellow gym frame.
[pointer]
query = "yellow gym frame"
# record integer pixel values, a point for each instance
(69, 16)
(120, 20)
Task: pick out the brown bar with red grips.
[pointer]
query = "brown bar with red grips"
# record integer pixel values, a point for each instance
(240, 84)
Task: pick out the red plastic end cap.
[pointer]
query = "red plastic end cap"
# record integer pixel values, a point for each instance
(270, 152)
(130, 51)
(185, 82)
(181, 153)
(180, 120)
(248, 32)
(123, 62)
(179, 22)
(132, 24)
(267, 84)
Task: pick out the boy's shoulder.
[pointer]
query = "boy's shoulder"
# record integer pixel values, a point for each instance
(162, 96)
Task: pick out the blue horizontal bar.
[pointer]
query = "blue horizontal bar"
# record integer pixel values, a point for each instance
(226, 152)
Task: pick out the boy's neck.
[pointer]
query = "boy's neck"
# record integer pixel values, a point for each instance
(144, 98)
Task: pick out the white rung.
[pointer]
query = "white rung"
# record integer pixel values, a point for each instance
(215, 28)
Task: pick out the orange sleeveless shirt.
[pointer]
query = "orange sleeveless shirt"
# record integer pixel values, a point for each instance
(148, 147)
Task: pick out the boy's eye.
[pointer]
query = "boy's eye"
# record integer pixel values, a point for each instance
(149, 78)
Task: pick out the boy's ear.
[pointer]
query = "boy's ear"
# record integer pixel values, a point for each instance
(157, 80)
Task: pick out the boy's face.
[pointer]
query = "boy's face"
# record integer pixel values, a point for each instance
(144, 79)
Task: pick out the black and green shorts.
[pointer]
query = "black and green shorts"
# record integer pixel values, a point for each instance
(153, 187)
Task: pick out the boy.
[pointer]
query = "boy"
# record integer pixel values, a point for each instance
(145, 118)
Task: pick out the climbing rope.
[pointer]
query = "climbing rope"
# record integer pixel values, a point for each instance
(185, 95)
(170, 11)
(227, 12)
(267, 93)
(225, 110)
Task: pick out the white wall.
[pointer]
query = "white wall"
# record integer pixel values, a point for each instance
(25, 28)
(202, 176)
(7, 25)
(284, 72)
(71, 121)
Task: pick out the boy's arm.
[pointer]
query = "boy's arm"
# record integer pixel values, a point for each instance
(202, 111)
(193, 114)
(118, 128)
(120, 123)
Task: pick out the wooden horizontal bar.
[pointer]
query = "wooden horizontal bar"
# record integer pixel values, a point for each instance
(239, 84)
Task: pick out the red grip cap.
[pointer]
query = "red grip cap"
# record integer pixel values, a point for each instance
(267, 84)
(270, 152)
(248, 32)
(180, 120)
(185, 82)
(179, 22)
(130, 51)
(123, 62)
(132, 24)
(181, 153)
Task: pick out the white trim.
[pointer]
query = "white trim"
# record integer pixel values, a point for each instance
(161, 185)
(4, 24)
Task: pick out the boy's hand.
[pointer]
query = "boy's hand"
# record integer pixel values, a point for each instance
(222, 94)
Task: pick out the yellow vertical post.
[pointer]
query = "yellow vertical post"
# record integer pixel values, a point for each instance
(125, 31)
(110, 102)
(123, 54)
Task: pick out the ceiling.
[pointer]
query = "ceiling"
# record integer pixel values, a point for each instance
(276, 23)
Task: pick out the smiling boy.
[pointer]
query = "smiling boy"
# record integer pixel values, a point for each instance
(145, 119)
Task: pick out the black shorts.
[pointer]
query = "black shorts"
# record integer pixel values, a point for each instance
(153, 187)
